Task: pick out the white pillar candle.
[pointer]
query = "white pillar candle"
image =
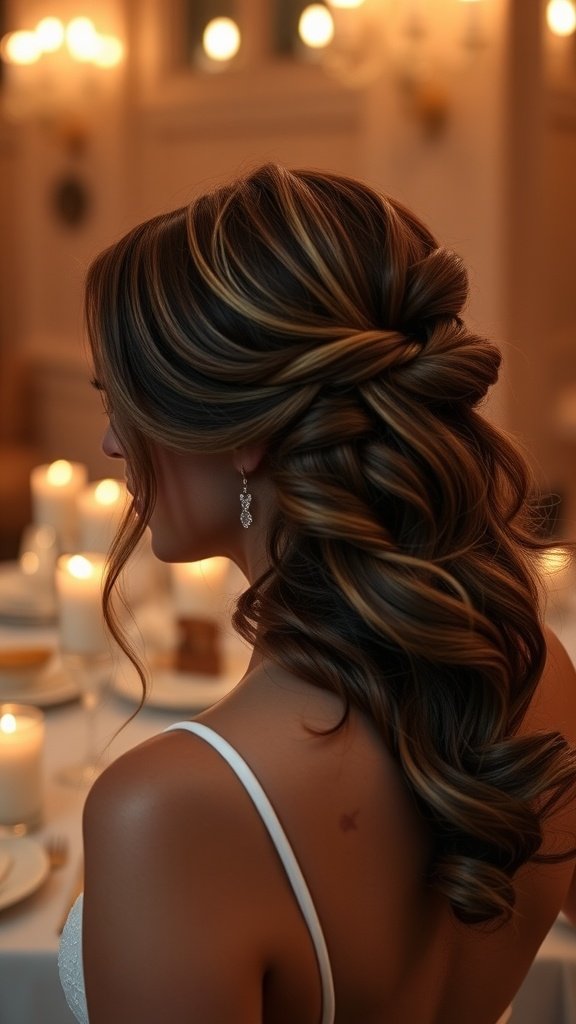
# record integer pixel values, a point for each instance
(79, 591)
(55, 490)
(100, 507)
(199, 588)
(21, 745)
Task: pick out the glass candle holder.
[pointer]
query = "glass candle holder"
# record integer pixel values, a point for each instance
(21, 751)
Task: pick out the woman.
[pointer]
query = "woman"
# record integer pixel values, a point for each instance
(295, 338)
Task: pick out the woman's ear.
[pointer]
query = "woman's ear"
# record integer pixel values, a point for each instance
(249, 457)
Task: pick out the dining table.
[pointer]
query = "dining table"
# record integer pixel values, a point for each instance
(30, 992)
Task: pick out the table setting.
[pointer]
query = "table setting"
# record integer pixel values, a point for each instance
(65, 693)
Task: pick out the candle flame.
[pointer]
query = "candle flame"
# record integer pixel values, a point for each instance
(7, 723)
(79, 567)
(107, 492)
(59, 473)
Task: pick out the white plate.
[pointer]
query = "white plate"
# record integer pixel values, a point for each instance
(30, 867)
(181, 691)
(20, 600)
(50, 686)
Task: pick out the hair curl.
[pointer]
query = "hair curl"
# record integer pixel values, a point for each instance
(305, 309)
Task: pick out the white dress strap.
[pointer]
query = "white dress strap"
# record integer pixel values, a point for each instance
(285, 852)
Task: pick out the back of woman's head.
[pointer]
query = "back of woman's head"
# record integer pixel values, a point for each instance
(224, 320)
(305, 310)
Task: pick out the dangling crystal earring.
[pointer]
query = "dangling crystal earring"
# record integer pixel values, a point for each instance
(245, 499)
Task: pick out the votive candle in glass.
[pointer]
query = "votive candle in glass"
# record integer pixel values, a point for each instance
(21, 750)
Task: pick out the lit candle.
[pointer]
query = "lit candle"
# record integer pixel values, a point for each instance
(198, 588)
(21, 744)
(55, 489)
(100, 508)
(79, 590)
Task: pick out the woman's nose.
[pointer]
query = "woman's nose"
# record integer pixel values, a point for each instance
(111, 445)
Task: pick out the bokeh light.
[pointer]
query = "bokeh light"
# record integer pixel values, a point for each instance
(221, 39)
(316, 26)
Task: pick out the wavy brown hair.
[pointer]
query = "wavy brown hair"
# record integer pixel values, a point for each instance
(306, 310)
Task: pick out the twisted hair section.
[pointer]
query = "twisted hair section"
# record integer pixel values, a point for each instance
(306, 310)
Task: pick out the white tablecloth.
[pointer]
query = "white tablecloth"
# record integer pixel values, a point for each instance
(29, 987)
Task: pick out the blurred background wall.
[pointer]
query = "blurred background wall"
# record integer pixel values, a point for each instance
(464, 109)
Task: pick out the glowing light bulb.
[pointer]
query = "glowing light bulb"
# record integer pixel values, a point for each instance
(50, 34)
(107, 492)
(110, 52)
(561, 17)
(7, 723)
(82, 39)
(80, 567)
(221, 39)
(345, 4)
(20, 48)
(59, 473)
(316, 26)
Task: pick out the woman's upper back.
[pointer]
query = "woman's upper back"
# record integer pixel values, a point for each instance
(232, 940)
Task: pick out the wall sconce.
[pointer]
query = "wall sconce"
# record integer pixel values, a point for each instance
(358, 41)
(55, 73)
(56, 76)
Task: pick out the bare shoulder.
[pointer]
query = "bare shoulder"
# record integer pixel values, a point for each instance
(168, 889)
(169, 805)
(153, 779)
